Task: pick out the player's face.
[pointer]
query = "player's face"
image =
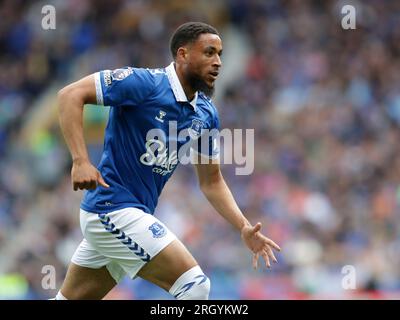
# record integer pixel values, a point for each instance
(204, 62)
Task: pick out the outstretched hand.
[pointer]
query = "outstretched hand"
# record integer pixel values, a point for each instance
(259, 244)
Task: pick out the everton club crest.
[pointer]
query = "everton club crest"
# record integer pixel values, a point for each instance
(195, 128)
(157, 229)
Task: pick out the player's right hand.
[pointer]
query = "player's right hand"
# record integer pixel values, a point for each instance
(85, 176)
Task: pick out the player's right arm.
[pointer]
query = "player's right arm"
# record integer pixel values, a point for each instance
(71, 100)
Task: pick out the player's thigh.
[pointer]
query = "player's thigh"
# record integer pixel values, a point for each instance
(86, 283)
(168, 265)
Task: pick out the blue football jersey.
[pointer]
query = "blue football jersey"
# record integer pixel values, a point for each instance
(151, 123)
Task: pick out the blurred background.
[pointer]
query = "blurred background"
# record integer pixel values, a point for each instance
(325, 106)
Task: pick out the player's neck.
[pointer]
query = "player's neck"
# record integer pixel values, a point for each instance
(189, 91)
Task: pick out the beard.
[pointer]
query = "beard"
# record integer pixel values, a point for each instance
(198, 84)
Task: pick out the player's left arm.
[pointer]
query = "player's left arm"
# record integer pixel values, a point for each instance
(218, 194)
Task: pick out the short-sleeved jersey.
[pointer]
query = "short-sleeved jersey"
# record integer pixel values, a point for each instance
(150, 123)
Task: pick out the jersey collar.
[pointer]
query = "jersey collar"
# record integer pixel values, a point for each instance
(176, 86)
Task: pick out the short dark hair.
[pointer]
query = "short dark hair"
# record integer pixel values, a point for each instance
(188, 33)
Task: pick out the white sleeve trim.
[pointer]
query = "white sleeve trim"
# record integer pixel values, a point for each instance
(99, 90)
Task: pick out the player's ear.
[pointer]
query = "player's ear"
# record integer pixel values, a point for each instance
(182, 53)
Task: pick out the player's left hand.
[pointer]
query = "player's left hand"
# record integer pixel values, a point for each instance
(259, 244)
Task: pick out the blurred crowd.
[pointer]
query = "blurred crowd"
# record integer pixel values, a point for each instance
(325, 106)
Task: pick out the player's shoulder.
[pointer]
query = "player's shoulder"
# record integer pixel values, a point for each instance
(158, 74)
(147, 77)
(141, 72)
